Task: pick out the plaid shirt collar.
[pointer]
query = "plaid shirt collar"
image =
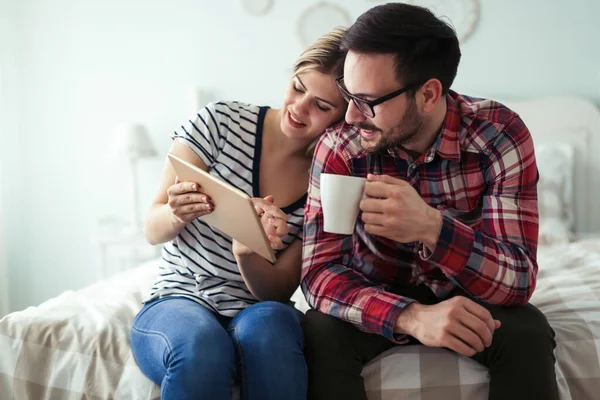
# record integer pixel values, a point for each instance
(447, 144)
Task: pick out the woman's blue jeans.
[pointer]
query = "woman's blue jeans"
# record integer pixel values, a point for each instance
(193, 353)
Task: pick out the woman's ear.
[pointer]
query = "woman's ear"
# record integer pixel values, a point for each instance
(431, 93)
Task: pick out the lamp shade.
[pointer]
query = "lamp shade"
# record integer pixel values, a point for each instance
(131, 141)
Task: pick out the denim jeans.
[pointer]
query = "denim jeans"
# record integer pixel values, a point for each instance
(193, 353)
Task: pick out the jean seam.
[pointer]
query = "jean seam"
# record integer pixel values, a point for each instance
(243, 385)
(147, 306)
(154, 333)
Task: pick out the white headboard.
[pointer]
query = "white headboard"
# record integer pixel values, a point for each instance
(574, 121)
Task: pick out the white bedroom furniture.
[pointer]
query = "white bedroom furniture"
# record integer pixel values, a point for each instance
(131, 142)
(121, 244)
(574, 122)
(122, 250)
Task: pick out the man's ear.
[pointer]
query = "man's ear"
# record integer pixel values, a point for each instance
(430, 94)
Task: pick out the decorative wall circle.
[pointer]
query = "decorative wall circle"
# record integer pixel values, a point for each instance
(257, 7)
(319, 19)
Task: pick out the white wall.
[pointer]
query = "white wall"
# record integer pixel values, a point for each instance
(4, 294)
(9, 226)
(81, 67)
(525, 48)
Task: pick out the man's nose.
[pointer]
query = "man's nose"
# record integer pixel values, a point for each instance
(353, 114)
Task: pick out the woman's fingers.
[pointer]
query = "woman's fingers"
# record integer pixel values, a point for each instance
(182, 188)
(274, 226)
(275, 212)
(281, 227)
(268, 208)
(195, 208)
(270, 199)
(187, 203)
(273, 220)
(276, 242)
(190, 198)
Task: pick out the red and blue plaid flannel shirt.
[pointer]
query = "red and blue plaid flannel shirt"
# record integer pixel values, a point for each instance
(480, 172)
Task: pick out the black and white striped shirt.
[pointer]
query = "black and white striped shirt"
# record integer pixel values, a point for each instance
(198, 263)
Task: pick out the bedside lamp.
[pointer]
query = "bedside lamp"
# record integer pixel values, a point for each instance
(132, 142)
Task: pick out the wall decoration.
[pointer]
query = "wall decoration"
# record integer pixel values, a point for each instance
(320, 19)
(257, 7)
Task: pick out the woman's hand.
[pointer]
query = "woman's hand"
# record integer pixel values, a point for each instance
(274, 222)
(187, 202)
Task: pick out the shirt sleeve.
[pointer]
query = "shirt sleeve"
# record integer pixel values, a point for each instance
(202, 134)
(329, 282)
(497, 263)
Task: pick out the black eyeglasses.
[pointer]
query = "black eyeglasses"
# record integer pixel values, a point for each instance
(367, 106)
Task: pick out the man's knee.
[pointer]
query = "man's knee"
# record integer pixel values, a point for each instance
(527, 330)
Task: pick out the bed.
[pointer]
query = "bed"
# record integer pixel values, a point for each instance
(76, 346)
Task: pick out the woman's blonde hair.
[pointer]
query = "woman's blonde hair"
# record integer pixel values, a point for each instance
(325, 56)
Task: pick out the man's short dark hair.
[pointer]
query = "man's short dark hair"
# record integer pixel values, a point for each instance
(425, 46)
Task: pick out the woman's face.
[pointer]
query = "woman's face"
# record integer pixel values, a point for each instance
(312, 103)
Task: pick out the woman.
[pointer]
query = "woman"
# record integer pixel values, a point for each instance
(218, 313)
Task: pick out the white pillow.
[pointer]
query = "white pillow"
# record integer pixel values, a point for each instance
(555, 192)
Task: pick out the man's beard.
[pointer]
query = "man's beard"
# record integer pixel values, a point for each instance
(406, 130)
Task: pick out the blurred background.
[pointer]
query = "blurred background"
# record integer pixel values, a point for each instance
(90, 91)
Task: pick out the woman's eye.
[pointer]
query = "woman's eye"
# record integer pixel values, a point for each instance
(297, 89)
(320, 107)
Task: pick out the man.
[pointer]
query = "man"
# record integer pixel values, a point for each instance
(444, 249)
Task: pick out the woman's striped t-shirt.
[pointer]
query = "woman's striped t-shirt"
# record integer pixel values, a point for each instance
(198, 263)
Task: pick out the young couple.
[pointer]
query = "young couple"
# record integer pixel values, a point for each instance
(443, 253)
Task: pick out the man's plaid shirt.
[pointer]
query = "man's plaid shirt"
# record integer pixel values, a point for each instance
(480, 173)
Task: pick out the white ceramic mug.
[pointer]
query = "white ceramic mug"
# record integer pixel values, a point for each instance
(340, 199)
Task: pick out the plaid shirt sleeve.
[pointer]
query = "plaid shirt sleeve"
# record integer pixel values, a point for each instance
(497, 263)
(329, 283)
